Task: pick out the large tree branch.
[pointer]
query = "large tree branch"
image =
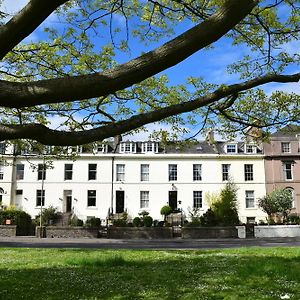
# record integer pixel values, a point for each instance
(45, 135)
(25, 22)
(59, 90)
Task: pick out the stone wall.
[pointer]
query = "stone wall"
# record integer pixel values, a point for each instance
(68, 232)
(139, 232)
(209, 232)
(266, 231)
(8, 230)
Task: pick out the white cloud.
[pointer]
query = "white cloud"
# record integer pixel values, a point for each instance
(12, 6)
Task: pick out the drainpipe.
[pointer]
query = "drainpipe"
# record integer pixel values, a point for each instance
(112, 185)
(13, 178)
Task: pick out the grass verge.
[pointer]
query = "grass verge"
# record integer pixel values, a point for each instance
(246, 273)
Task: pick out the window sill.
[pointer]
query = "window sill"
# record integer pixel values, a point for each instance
(92, 207)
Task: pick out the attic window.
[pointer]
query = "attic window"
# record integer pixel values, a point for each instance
(250, 149)
(231, 148)
(199, 148)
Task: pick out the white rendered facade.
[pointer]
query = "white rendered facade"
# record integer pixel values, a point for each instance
(114, 182)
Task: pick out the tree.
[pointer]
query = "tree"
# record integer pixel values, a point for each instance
(225, 209)
(75, 71)
(277, 202)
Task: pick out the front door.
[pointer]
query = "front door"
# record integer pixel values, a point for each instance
(119, 202)
(68, 203)
(173, 200)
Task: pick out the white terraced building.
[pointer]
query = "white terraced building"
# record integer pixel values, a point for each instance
(134, 177)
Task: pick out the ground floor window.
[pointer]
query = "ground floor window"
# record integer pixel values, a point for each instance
(197, 199)
(250, 199)
(144, 199)
(91, 201)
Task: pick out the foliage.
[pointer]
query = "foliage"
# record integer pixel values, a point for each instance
(246, 273)
(62, 73)
(93, 222)
(208, 218)
(19, 218)
(278, 201)
(165, 211)
(293, 219)
(148, 221)
(137, 222)
(48, 215)
(225, 210)
(76, 222)
(120, 223)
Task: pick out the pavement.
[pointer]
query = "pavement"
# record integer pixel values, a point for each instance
(154, 244)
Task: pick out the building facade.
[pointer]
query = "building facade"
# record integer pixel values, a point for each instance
(134, 177)
(282, 163)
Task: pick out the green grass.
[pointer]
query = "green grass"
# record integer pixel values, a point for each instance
(247, 273)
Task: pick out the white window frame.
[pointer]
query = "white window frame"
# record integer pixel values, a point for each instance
(128, 147)
(250, 149)
(41, 172)
(20, 172)
(40, 198)
(225, 172)
(197, 172)
(120, 172)
(92, 173)
(172, 172)
(285, 147)
(249, 199)
(91, 198)
(248, 172)
(144, 199)
(145, 170)
(231, 148)
(67, 172)
(197, 199)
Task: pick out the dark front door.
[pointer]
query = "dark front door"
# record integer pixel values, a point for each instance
(173, 200)
(69, 203)
(119, 202)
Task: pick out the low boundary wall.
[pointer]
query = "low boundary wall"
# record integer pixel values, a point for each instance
(209, 232)
(266, 231)
(67, 232)
(139, 232)
(8, 230)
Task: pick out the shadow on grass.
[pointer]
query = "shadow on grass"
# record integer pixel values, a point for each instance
(167, 275)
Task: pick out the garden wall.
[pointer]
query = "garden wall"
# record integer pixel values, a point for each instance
(139, 232)
(265, 231)
(68, 232)
(8, 230)
(209, 232)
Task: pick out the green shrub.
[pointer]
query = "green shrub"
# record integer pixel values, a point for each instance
(93, 222)
(147, 220)
(119, 223)
(293, 219)
(48, 214)
(19, 218)
(137, 222)
(165, 211)
(209, 218)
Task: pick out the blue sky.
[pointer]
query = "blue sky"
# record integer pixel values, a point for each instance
(208, 64)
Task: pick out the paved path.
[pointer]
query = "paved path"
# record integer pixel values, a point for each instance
(86, 243)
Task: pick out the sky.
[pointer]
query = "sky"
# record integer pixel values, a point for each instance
(211, 66)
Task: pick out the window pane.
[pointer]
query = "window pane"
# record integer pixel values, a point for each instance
(19, 171)
(197, 172)
(92, 172)
(68, 171)
(287, 169)
(120, 172)
(225, 172)
(248, 170)
(91, 198)
(40, 198)
(144, 199)
(41, 171)
(197, 199)
(144, 172)
(285, 147)
(172, 172)
(250, 199)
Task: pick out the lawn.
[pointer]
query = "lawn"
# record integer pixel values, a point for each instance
(246, 273)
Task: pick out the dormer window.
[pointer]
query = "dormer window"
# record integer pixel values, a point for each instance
(149, 147)
(250, 149)
(101, 148)
(128, 147)
(231, 148)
